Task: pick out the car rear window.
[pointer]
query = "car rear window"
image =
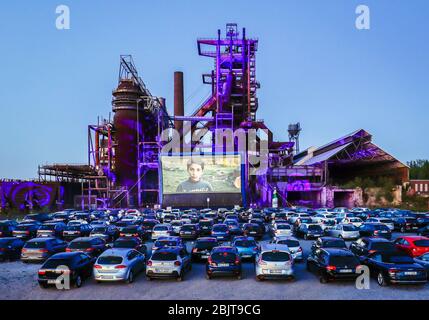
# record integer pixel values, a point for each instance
(220, 228)
(73, 228)
(23, 228)
(165, 243)
(349, 228)
(130, 229)
(80, 245)
(383, 246)
(4, 243)
(99, 229)
(289, 243)
(283, 227)
(314, 227)
(341, 261)
(160, 228)
(109, 260)
(164, 256)
(188, 228)
(35, 244)
(124, 244)
(334, 244)
(206, 244)
(421, 243)
(54, 263)
(398, 259)
(245, 243)
(223, 257)
(275, 256)
(47, 227)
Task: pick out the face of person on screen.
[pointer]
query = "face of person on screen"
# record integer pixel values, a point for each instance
(195, 172)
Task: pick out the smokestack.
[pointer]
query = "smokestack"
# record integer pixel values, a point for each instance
(179, 103)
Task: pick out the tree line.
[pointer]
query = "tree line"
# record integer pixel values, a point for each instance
(419, 169)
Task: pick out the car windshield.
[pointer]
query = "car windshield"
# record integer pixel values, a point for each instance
(99, 229)
(349, 228)
(314, 227)
(398, 259)
(206, 244)
(220, 228)
(273, 256)
(283, 227)
(164, 256)
(54, 263)
(342, 261)
(223, 257)
(289, 243)
(35, 244)
(421, 243)
(334, 244)
(80, 245)
(383, 246)
(109, 260)
(124, 244)
(245, 243)
(424, 257)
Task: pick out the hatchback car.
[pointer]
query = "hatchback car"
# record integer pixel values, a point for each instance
(133, 231)
(203, 247)
(51, 229)
(7, 227)
(119, 265)
(375, 230)
(161, 230)
(366, 246)
(293, 244)
(274, 261)
(252, 230)
(39, 249)
(224, 260)
(26, 230)
(92, 246)
(220, 232)
(76, 231)
(344, 231)
(413, 246)
(168, 262)
(171, 241)
(328, 242)
(130, 243)
(388, 222)
(107, 233)
(423, 260)
(281, 229)
(10, 248)
(189, 231)
(332, 264)
(309, 231)
(247, 247)
(77, 265)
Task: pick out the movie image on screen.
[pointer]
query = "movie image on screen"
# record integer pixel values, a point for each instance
(201, 174)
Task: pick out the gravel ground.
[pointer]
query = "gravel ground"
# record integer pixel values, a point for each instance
(19, 281)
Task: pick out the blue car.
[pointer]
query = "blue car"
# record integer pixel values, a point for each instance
(220, 232)
(246, 246)
(224, 260)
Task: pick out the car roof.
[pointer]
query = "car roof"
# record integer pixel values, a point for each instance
(42, 239)
(274, 246)
(286, 238)
(121, 252)
(224, 248)
(414, 238)
(80, 239)
(328, 238)
(207, 239)
(66, 255)
(338, 252)
(376, 239)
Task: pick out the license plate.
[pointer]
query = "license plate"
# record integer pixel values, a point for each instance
(246, 256)
(223, 264)
(162, 271)
(54, 281)
(204, 256)
(275, 271)
(188, 232)
(410, 273)
(346, 270)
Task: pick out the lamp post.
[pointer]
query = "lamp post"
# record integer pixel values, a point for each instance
(208, 203)
(138, 156)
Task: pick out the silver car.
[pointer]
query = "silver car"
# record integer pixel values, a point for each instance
(344, 231)
(161, 230)
(281, 229)
(274, 261)
(293, 244)
(168, 262)
(118, 265)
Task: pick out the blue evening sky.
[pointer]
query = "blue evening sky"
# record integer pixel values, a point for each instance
(313, 64)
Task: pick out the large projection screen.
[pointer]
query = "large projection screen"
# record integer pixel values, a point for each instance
(188, 180)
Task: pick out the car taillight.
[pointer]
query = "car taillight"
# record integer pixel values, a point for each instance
(195, 250)
(331, 268)
(42, 272)
(122, 234)
(237, 261)
(97, 266)
(392, 270)
(149, 263)
(135, 235)
(177, 263)
(43, 250)
(23, 250)
(255, 249)
(27, 232)
(121, 266)
(68, 250)
(90, 249)
(261, 262)
(372, 251)
(376, 232)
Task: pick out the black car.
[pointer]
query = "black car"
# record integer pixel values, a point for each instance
(328, 242)
(107, 233)
(309, 231)
(7, 227)
(332, 264)
(394, 267)
(26, 230)
(405, 224)
(61, 216)
(51, 229)
(133, 231)
(203, 247)
(206, 226)
(252, 230)
(77, 231)
(92, 246)
(368, 245)
(40, 217)
(130, 243)
(423, 260)
(422, 222)
(10, 248)
(375, 230)
(423, 231)
(148, 225)
(189, 231)
(79, 267)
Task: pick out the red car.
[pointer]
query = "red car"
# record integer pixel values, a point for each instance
(413, 245)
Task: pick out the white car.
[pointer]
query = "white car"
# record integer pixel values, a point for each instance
(281, 229)
(357, 222)
(293, 244)
(161, 230)
(274, 261)
(321, 216)
(388, 222)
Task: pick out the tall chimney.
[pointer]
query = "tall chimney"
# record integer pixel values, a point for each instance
(179, 103)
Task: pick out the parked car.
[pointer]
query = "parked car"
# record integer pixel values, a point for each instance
(234, 226)
(130, 243)
(388, 222)
(274, 261)
(375, 230)
(281, 230)
(328, 242)
(79, 267)
(92, 246)
(51, 229)
(220, 232)
(189, 231)
(333, 264)
(76, 231)
(247, 247)
(394, 267)
(203, 247)
(161, 230)
(176, 225)
(414, 246)
(224, 260)
(405, 224)
(171, 241)
(343, 231)
(10, 248)
(119, 265)
(148, 225)
(355, 221)
(26, 230)
(39, 249)
(107, 233)
(252, 230)
(170, 262)
(368, 245)
(423, 260)
(423, 231)
(39, 217)
(133, 231)
(293, 244)
(309, 231)
(7, 227)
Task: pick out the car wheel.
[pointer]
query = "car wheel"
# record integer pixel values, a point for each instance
(43, 285)
(340, 236)
(323, 279)
(381, 280)
(402, 230)
(78, 282)
(208, 277)
(239, 277)
(130, 278)
(180, 277)
(305, 237)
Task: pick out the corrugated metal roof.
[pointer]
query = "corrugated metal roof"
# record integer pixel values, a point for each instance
(324, 156)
